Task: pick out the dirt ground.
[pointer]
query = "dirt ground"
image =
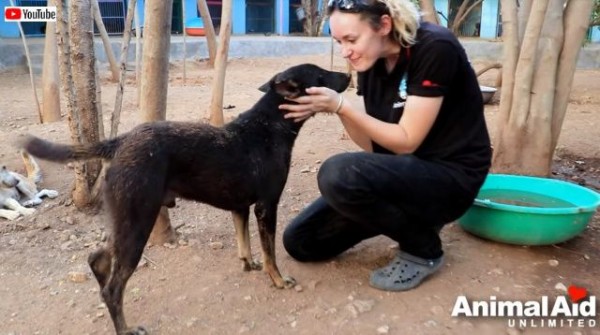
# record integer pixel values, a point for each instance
(198, 287)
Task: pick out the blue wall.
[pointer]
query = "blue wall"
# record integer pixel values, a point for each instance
(442, 7)
(238, 17)
(282, 17)
(489, 19)
(596, 34)
(7, 29)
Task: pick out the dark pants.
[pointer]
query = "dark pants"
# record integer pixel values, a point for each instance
(368, 194)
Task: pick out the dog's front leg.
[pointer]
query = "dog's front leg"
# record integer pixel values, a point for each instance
(266, 217)
(37, 199)
(242, 234)
(16, 206)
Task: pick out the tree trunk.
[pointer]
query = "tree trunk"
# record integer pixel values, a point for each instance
(138, 59)
(209, 31)
(429, 12)
(114, 68)
(155, 82)
(576, 21)
(84, 81)
(534, 95)
(50, 75)
(523, 12)
(218, 86)
(68, 89)
(310, 13)
(543, 88)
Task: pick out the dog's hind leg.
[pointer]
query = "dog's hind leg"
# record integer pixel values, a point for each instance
(266, 217)
(16, 206)
(9, 214)
(133, 216)
(100, 262)
(127, 249)
(242, 234)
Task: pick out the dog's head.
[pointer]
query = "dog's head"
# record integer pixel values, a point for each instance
(6, 178)
(294, 81)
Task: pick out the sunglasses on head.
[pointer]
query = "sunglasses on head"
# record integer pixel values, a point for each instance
(358, 6)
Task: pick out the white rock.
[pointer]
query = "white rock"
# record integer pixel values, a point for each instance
(553, 262)
(560, 287)
(383, 329)
(78, 277)
(437, 310)
(430, 323)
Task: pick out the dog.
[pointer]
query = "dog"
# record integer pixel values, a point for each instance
(244, 163)
(19, 193)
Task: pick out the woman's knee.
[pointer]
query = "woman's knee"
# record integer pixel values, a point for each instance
(336, 174)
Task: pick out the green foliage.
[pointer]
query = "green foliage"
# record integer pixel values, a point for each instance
(595, 21)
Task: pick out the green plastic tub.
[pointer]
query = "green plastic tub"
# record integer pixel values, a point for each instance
(529, 210)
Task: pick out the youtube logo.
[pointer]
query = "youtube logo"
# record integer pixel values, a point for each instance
(12, 13)
(30, 14)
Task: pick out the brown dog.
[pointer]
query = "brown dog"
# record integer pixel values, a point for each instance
(246, 162)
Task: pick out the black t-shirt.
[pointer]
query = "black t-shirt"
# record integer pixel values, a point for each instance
(436, 65)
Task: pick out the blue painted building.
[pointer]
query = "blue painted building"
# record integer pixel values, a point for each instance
(266, 17)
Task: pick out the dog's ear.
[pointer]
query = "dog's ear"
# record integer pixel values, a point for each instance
(266, 86)
(283, 86)
(288, 88)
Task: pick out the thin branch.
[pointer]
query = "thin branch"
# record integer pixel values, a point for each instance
(37, 102)
(487, 68)
(467, 11)
(116, 115)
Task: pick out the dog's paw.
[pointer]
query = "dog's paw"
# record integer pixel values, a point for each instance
(51, 194)
(284, 282)
(252, 265)
(139, 330)
(32, 202)
(289, 282)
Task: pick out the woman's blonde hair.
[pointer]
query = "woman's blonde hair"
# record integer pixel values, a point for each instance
(406, 18)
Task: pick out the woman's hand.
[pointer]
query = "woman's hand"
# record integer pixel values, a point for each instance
(318, 100)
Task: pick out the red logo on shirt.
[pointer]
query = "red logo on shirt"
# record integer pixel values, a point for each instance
(428, 83)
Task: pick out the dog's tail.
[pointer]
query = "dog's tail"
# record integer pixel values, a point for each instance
(34, 173)
(62, 152)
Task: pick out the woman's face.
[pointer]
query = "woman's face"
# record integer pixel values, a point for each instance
(360, 43)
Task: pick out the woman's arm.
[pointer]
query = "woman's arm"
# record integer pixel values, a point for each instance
(360, 138)
(404, 137)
